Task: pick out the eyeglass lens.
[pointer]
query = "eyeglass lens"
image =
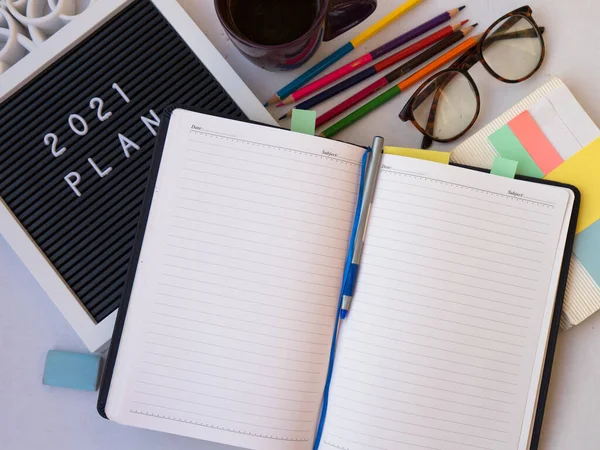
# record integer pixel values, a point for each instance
(445, 107)
(513, 48)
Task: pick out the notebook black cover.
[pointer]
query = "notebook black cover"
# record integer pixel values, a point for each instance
(89, 239)
(555, 324)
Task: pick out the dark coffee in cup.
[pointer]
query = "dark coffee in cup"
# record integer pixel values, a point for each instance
(284, 34)
(274, 22)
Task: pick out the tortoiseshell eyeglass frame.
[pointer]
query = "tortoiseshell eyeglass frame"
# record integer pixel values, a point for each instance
(462, 66)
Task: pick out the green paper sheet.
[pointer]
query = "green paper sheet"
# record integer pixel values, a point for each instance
(304, 121)
(508, 146)
(504, 167)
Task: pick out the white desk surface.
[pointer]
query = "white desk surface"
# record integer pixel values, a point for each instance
(34, 416)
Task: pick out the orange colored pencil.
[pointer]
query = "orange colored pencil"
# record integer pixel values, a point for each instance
(401, 87)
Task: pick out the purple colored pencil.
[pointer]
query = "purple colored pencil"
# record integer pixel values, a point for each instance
(370, 57)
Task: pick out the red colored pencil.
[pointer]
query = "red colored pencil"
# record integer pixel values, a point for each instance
(376, 68)
(395, 74)
(371, 56)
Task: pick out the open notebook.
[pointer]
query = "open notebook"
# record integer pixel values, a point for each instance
(227, 332)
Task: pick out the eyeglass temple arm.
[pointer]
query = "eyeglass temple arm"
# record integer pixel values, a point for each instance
(465, 62)
(470, 58)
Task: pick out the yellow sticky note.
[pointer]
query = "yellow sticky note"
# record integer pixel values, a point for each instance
(427, 155)
(582, 171)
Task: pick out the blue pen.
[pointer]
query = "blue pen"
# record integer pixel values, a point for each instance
(365, 210)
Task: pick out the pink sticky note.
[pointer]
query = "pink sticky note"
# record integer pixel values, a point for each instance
(535, 142)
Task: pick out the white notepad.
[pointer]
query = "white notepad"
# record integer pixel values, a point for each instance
(228, 328)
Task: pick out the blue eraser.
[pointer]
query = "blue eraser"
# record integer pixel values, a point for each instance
(72, 370)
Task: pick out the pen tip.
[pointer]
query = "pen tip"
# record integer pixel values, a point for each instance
(343, 314)
(460, 8)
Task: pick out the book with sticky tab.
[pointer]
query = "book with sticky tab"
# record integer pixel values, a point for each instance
(227, 332)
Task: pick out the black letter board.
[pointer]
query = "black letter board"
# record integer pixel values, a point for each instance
(76, 144)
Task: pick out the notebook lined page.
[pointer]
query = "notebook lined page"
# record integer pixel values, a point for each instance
(446, 335)
(231, 316)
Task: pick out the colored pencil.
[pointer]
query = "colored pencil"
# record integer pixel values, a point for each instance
(342, 51)
(401, 87)
(370, 57)
(380, 66)
(393, 75)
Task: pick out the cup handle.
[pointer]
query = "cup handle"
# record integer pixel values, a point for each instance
(345, 14)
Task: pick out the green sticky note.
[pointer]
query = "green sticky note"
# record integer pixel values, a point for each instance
(508, 146)
(504, 167)
(304, 121)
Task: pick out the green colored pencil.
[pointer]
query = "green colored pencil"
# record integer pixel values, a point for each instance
(400, 87)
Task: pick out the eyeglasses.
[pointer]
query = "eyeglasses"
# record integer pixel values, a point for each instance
(447, 105)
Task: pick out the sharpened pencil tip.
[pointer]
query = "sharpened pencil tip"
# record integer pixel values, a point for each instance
(343, 314)
(273, 100)
(279, 105)
(460, 8)
(474, 25)
(463, 22)
(265, 104)
(285, 116)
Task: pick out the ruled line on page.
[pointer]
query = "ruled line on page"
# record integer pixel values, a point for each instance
(262, 183)
(443, 300)
(463, 196)
(262, 213)
(284, 178)
(542, 203)
(219, 366)
(287, 299)
(240, 279)
(286, 158)
(191, 402)
(214, 386)
(493, 241)
(204, 394)
(398, 253)
(448, 291)
(262, 344)
(445, 201)
(262, 223)
(387, 389)
(189, 239)
(444, 340)
(227, 419)
(437, 219)
(245, 352)
(434, 388)
(258, 333)
(268, 194)
(221, 296)
(484, 249)
(281, 148)
(216, 427)
(321, 274)
(263, 164)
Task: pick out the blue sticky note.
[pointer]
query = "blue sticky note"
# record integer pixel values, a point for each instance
(72, 370)
(587, 250)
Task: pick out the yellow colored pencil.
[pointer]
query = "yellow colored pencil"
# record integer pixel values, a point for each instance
(342, 51)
